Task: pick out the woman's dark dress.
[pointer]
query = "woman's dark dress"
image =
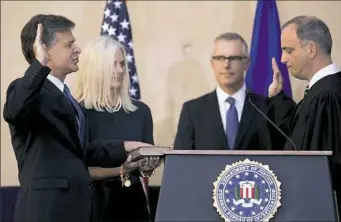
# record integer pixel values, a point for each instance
(111, 201)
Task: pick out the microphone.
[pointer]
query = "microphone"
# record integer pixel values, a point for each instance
(270, 121)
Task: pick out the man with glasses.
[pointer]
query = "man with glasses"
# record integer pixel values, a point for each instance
(224, 119)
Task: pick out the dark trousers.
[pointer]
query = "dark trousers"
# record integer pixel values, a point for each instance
(114, 203)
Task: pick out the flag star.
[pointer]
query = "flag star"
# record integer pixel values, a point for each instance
(266, 199)
(116, 24)
(255, 176)
(253, 213)
(114, 17)
(230, 182)
(237, 176)
(227, 201)
(226, 191)
(105, 27)
(246, 174)
(261, 208)
(130, 58)
(117, 4)
(241, 212)
(132, 91)
(130, 44)
(263, 181)
(112, 31)
(135, 80)
(267, 190)
(232, 208)
(121, 37)
(107, 12)
(125, 24)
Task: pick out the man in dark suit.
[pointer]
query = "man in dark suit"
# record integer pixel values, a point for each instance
(225, 119)
(48, 129)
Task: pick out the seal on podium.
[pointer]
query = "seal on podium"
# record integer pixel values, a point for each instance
(247, 191)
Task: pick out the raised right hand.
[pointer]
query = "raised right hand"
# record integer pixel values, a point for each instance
(40, 50)
(132, 145)
(277, 80)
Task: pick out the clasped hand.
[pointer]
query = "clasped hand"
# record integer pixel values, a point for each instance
(146, 165)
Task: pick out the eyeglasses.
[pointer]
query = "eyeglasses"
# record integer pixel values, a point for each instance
(222, 58)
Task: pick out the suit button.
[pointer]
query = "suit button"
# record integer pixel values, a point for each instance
(91, 185)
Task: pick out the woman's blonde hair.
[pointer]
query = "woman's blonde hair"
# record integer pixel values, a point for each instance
(94, 77)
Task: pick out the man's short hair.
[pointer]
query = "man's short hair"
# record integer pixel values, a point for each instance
(51, 25)
(230, 36)
(311, 28)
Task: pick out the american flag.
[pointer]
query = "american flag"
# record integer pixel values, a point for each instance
(116, 24)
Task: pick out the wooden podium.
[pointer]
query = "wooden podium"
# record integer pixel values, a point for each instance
(186, 192)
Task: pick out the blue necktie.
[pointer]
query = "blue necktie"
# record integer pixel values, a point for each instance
(79, 114)
(232, 123)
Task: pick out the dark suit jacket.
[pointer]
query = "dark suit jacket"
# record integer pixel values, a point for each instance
(55, 183)
(200, 126)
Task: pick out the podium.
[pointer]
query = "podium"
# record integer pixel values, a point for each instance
(187, 187)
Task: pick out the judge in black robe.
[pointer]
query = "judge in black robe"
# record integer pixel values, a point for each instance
(315, 123)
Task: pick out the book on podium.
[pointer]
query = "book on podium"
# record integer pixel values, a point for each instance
(148, 151)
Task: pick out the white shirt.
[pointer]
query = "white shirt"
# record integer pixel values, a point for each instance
(56, 82)
(326, 71)
(239, 97)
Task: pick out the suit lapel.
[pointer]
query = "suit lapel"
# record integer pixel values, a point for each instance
(64, 106)
(215, 120)
(245, 122)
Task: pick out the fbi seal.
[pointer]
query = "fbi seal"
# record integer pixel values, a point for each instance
(247, 191)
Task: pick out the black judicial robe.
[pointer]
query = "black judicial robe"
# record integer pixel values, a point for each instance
(315, 123)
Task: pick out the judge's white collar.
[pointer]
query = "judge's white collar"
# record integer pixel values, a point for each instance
(326, 71)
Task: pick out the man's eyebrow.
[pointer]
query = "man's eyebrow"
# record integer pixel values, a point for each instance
(287, 48)
(69, 42)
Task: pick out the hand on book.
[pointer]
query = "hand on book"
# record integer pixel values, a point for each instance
(130, 166)
(149, 164)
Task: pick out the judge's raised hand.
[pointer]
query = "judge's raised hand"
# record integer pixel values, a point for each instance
(277, 80)
(40, 50)
(132, 145)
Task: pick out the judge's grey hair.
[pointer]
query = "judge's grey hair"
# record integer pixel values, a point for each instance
(311, 28)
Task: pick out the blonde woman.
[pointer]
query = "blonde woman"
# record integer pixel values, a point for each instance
(102, 86)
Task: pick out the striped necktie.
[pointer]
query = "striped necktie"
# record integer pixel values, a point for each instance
(79, 114)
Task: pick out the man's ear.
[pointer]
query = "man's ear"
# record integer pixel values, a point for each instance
(248, 62)
(212, 63)
(311, 49)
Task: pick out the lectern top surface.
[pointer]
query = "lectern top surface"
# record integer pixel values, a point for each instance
(248, 152)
